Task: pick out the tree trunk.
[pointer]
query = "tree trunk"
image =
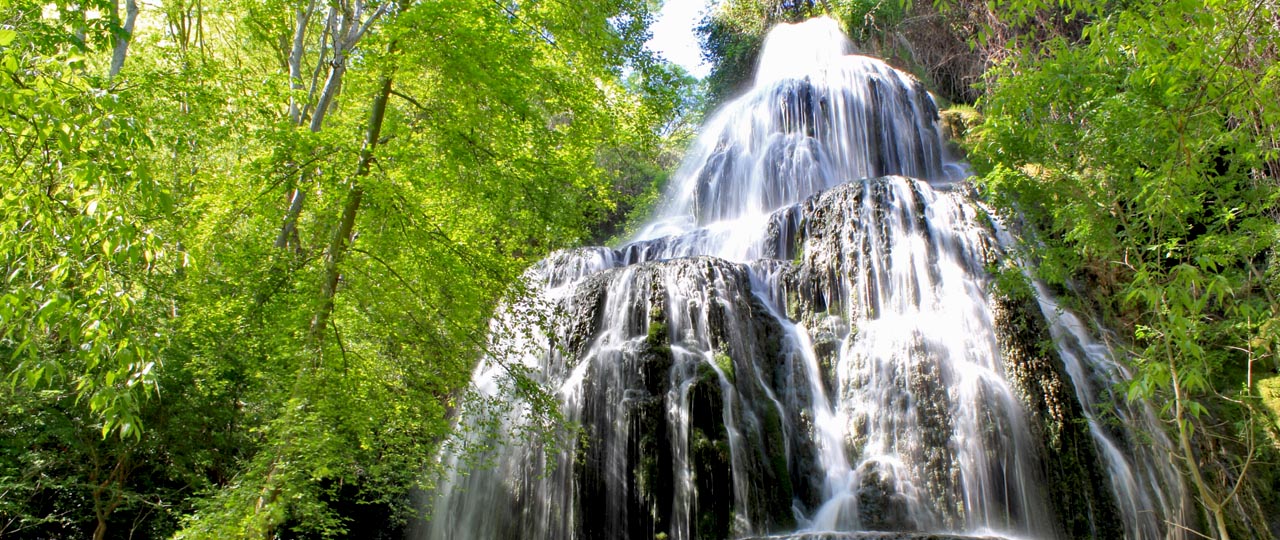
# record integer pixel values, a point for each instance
(346, 34)
(331, 86)
(121, 45)
(288, 230)
(1210, 502)
(342, 235)
(303, 17)
(111, 489)
(299, 197)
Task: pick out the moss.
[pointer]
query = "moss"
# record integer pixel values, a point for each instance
(725, 363)
(707, 375)
(584, 444)
(712, 478)
(773, 436)
(655, 360)
(709, 458)
(1269, 389)
(793, 304)
(650, 417)
(657, 333)
(658, 339)
(779, 496)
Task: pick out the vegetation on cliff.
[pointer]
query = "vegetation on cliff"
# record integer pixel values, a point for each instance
(1143, 157)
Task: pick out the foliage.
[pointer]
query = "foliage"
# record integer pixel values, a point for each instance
(1146, 156)
(164, 372)
(871, 20)
(78, 249)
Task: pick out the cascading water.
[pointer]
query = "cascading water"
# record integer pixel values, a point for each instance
(807, 344)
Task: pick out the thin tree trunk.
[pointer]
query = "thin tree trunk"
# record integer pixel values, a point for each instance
(1207, 499)
(200, 25)
(299, 196)
(338, 68)
(342, 235)
(112, 488)
(346, 34)
(302, 18)
(288, 231)
(331, 86)
(322, 60)
(121, 45)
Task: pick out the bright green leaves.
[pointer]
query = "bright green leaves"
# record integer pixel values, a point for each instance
(1138, 138)
(508, 134)
(488, 159)
(1146, 153)
(76, 252)
(867, 20)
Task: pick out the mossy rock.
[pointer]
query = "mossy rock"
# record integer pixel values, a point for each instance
(725, 364)
(711, 464)
(957, 121)
(1076, 483)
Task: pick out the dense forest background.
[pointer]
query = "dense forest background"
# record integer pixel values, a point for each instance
(250, 247)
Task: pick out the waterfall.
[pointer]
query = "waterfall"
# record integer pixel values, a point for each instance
(807, 342)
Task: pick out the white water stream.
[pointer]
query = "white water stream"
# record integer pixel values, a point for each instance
(803, 341)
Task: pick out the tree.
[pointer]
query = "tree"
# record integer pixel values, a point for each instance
(84, 309)
(483, 162)
(171, 370)
(344, 28)
(1144, 155)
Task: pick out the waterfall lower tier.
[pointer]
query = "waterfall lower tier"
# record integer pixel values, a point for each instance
(807, 343)
(863, 374)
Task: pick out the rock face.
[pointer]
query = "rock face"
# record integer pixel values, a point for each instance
(700, 345)
(794, 351)
(1077, 485)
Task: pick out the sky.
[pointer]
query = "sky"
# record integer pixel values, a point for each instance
(673, 35)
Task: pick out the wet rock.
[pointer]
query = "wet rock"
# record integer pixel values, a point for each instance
(685, 335)
(1077, 486)
(881, 507)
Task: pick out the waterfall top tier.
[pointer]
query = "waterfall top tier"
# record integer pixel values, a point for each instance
(817, 117)
(794, 51)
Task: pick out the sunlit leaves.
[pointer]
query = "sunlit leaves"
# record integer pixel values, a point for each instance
(1147, 150)
(75, 246)
(143, 305)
